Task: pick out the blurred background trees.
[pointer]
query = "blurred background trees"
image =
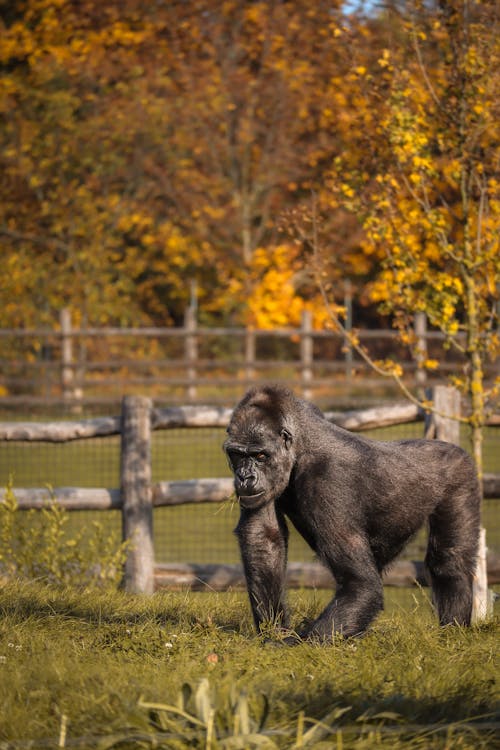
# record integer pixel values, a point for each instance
(143, 147)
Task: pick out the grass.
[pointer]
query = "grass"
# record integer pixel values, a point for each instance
(106, 669)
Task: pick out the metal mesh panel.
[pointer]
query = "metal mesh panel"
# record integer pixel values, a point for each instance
(203, 533)
(78, 463)
(199, 532)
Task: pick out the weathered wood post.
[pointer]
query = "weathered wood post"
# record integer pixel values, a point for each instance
(250, 351)
(420, 330)
(444, 425)
(136, 494)
(71, 392)
(349, 357)
(482, 604)
(191, 350)
(67, 374)
(306, 353)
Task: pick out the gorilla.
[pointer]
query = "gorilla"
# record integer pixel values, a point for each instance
(355, 501)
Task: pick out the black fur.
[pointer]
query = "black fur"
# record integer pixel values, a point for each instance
(355, 501)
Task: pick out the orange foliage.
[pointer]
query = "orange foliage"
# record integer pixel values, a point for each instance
(143, 147)
(275, 299)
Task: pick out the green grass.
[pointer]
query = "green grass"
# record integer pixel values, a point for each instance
(102, 670)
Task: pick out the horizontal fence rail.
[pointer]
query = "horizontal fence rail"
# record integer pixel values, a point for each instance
(202, 416)
(137, 495)
(178, 492)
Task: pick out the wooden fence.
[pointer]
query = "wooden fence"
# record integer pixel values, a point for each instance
(137, 496)
(192, 362)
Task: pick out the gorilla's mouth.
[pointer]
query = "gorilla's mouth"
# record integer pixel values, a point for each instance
(246, 500)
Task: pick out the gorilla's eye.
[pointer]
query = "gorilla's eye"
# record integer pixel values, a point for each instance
(233, 457)
(261, 456)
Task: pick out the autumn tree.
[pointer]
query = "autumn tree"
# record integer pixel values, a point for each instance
(430, 204)
(254, 118)
(74, 225)
(144, 146)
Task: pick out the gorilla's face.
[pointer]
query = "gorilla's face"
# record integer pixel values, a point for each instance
(261, 459)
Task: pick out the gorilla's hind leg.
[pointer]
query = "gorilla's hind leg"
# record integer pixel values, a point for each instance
(451, 557)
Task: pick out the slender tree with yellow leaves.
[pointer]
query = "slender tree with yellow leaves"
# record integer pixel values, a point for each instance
(430, 206)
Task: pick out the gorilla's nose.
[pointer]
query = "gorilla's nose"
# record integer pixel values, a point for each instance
(246, 483)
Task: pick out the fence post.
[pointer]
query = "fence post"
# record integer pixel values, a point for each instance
(250, 350)
(191, 349)
(67, 373)
(136, 495)
(444, 427)
(482, 603)
(420, 330)
(306, 353)
(442, 423)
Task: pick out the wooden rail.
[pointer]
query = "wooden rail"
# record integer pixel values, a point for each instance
(216, 577)
(178, 492)
(193, 416)
(200, 416)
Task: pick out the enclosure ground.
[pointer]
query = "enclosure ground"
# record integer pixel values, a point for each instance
(105, 669)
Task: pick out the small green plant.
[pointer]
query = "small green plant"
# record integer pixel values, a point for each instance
(36, 544)
(197, 717)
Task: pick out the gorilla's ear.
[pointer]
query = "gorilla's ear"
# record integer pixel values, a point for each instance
(287, 438)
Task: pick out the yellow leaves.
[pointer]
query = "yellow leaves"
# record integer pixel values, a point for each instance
(385, 60)
(452, 171)
(389, 367)
(421, 162)
(347, 190)
(35, 181)
(476, 387)
(430, 364)
(215, 212)
(18, 42)
(254, 13)
(134, 221)
(130, 125)
(274, 299)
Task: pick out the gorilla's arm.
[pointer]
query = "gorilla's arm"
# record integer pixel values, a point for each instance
(263, 538)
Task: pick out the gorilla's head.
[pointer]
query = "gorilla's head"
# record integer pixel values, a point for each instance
(260, 446)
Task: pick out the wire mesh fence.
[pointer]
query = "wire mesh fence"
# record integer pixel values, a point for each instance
(199, 533)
